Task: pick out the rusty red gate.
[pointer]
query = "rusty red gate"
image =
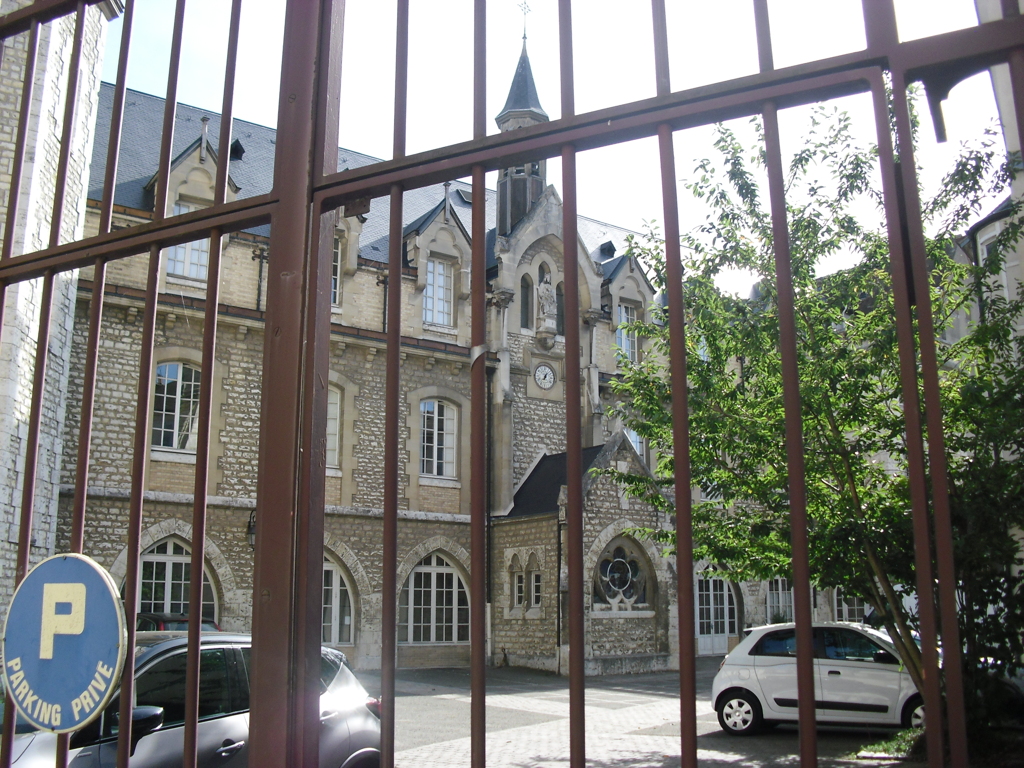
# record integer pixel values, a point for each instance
(302, 208)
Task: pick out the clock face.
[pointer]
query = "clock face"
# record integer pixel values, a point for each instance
(544, 375)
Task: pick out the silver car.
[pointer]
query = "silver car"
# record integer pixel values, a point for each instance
(858, 679)
(349, 736)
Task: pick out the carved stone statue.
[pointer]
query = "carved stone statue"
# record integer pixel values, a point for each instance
(547, 304)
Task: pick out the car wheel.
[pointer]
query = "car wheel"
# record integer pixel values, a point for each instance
(739, 713)
(913, 713)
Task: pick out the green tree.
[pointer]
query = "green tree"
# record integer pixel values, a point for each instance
(854, 435)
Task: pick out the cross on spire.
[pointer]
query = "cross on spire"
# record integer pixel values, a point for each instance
(525, 9)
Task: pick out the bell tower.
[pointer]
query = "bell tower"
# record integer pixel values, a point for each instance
(520, 187)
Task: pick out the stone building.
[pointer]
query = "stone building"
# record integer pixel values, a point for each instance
(630, 593)
(29, 232)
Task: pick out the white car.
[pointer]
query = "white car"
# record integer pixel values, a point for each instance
(858, 679)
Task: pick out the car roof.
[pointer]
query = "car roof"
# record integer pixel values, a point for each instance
(150, 644)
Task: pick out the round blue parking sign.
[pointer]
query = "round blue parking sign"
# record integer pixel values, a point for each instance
(64, 643)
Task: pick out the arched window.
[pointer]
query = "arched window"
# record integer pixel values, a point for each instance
(176, 407)
(333, 427)
(337, 606)
(780, 601)
(438, 434)
(525, 302)
(560, 309)
(433, 606)
(164, 585)
(621, 580)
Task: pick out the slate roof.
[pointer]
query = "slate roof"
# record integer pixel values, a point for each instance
(254, 173)
(522, 96)
(538, 493)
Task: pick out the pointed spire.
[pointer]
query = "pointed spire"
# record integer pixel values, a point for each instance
(522, 101)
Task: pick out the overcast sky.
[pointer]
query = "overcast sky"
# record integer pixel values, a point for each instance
(613, 59)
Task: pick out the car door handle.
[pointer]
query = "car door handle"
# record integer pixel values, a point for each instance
(834, 672)
(230, 748)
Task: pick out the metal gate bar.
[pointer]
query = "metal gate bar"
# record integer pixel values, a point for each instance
(145, 386)
(479, 405)
(308, 187)
(202, 471)
(680, 403)
(573, 419)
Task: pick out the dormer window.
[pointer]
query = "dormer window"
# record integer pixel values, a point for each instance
(189, 260)
(437, 293)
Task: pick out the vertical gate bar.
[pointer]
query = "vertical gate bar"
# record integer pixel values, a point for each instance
(794, 443)
(98, 288)
(791, 398)
(315, 376)
(280, 717)
(140, 455)
(389, 565)
(478, 477)
(680, 407)
(27, 88)
(332, 34)
(952, 668)
(478, 410)
(202, 471)
(57, 211)
(912, 419)
(68, 128)
(392, 393)
(116, 120)
(573, 420)
(28, 494)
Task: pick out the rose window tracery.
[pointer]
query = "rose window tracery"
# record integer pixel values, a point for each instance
(621, 578)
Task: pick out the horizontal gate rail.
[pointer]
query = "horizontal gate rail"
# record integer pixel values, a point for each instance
(301, 210)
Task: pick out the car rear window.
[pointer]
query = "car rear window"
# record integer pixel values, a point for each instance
(781, 642)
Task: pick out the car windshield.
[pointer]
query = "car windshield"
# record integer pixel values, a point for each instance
(21, 725)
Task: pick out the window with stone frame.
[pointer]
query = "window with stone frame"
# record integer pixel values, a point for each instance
(533, 580)
(438, 436)
(849, 608)
(622, 577)
(337, 606)
(433, 606)
(192, 259)
(164, 583)
(626, 338)
(333, 427)
(780, 601)
(525, 302)
(336, 272)
(176, 407)
(437, 293)
(516, 583)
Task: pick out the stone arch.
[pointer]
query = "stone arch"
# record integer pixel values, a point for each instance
(655, 562)
(217, 568)
(351, 562)
(454, 552)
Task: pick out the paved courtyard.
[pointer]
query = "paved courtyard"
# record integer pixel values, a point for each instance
(631, 721)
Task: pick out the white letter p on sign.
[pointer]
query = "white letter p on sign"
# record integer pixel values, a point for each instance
(71, 623)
